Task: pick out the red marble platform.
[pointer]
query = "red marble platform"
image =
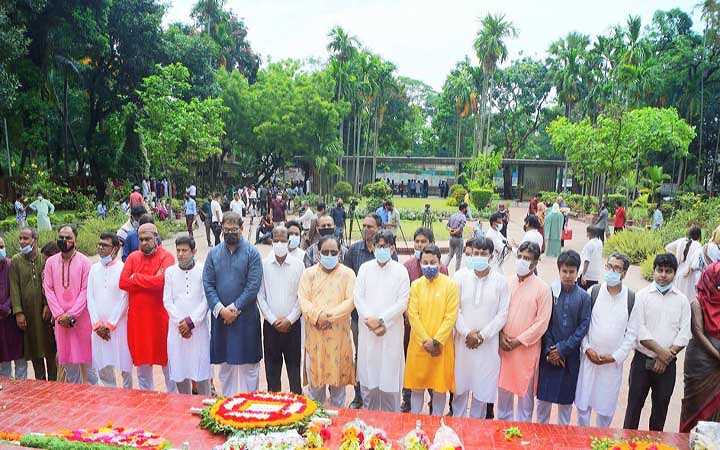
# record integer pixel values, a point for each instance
(42, 406)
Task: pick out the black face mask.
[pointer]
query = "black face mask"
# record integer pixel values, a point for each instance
(232, 238)
(64, 245)
(326, 231)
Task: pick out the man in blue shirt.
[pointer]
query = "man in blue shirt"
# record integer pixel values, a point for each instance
(560, 354)
(132, 241)
(231, 278)
(190, 212)
(383, 213)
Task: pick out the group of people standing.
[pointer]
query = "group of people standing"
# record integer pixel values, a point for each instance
(504, 346)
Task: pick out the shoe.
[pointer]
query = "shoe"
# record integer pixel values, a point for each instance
(405, 407)
(356, 404)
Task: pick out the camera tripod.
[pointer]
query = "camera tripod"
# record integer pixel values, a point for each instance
(353, 220)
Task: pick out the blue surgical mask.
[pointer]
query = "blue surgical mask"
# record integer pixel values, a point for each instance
(430, 272)
(418, 253)
(382, 255)
(3, 253)
(328, 261)
(612, 278)
(105, 260)
(293, 241)
(26, 250)
(662, 289)
(478, 263)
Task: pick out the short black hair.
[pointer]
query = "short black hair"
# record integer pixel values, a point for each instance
(146, 218)
(112, 237)
(483, 244)
(293, 223)
(376, 218)
(594, 231)
(666, 260)
(496, 217)
(424, 231)
(72, 228)
(328, 237)
(321, 205)
(469, 243)
(531, 247)
(569, 258)
(532, 221)
(695, 233)
(50, 249)
(462, 206)
(137, 211)
(432, 249)
(385, 235)
(185, 240)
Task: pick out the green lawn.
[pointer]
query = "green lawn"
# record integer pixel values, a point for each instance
(409, 227)
(436, 204)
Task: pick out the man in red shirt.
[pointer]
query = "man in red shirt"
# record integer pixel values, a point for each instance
(533, 206)
(619, 224)
(136, 198)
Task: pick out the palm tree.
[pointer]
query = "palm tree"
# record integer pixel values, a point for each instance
(567, 62)
(490, 48)
(654, 179)
(208, 14)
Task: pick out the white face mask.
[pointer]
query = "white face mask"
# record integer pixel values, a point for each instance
(498, 227)
(522, 267)
(293, 241)
(280, 249)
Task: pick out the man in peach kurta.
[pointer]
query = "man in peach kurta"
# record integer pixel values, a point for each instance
(325, 293)
(65, 280)
(528, 317)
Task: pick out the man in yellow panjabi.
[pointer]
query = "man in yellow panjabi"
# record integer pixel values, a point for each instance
(432, 311)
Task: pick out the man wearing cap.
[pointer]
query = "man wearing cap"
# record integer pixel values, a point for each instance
(143, 277)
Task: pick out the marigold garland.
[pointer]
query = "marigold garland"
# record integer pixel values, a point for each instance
(260, 412)
(633, 444)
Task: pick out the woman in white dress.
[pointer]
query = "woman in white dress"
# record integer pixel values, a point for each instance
(702, 258)
(684, 249)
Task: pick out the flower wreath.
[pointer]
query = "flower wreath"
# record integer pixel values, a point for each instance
(107, 437)
(260, 412)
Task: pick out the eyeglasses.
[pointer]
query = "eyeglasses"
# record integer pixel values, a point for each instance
(104, 245)
(614, 269)
(230, 230)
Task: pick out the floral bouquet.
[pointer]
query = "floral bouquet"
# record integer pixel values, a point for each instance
(634, 444)
(316, 435)
(417, 439)
(107, 437)
(357, 435)
(446, 439)
(282, 440)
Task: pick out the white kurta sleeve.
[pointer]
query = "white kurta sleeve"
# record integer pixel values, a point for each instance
(628, 342)
(168, 300)
(498, 322)
(398, 307)
(263, 302)
(91, 305)
(460, 324)
(198, 314)
(638, 316)
(120, 309)
(359, 294)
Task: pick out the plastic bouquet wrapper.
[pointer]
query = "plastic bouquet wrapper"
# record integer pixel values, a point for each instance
(281, 440)
(357, 435)
(705, 436)
(317, 433)
(417, 439)
(446, 439)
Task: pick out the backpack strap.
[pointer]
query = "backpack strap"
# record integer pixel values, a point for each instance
(594, 291)
(630, 301)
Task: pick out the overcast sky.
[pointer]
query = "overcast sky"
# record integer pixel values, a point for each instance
(424, 38)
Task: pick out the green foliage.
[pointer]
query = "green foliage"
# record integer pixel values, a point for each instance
(635, 244)
(376, 193)
(480, 171)
(646, 267)
(481, 198)
(613, 200)
(456, 195)
(343, 190)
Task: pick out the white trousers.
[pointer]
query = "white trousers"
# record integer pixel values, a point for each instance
(544, 408)
(73, 374)
(6, 369)
(377, 400)
(236, 378)
(478, 409)
(185, 387)
(337, 395)
(146, 380)
(505, 407)
(417, 401)
(107, 377)
(600, 420)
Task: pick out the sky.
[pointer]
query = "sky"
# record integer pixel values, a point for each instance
(423, 38)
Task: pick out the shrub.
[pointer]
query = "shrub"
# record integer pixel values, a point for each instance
(481, 198)
(342, 190)
(635, 244)
(613, 200)
(376, 193)
(456, 195)
(646, 267)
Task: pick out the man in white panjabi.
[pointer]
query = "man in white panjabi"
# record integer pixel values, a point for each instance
(607, 344)
(107, 305)
(381, 297)
(484, 300)
(188, 331)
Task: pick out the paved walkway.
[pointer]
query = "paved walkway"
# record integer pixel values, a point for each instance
(547, 270)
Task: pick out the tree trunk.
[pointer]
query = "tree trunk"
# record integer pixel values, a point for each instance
(358, 131)
(715, 163)
(507, 182)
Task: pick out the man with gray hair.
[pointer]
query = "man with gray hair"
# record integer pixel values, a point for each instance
(278, 302)
(607, 344)
(231, 278)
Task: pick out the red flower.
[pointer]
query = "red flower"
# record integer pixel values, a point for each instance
(325, 434)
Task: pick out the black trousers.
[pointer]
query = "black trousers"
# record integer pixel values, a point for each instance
(217, 230)
(277, 347)
(642, 381)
